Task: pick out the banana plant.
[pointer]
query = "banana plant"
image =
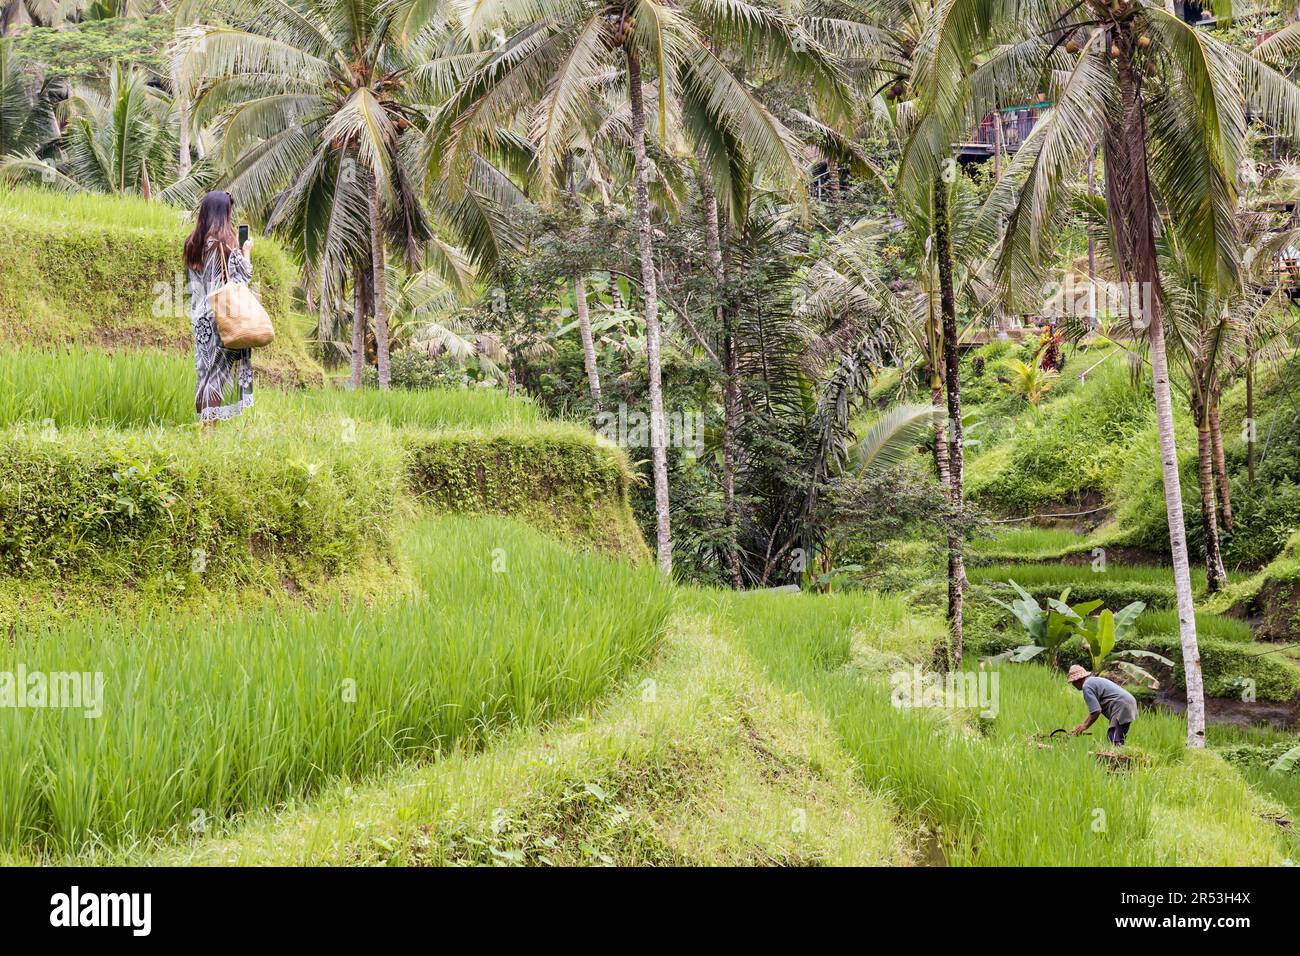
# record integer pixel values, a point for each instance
(1107, 629)
(1048, 627)
(1286, 763)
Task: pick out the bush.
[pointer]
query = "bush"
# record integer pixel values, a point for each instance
(556, 477)
(413, 369)
(217, 509)
(1266, 516)
(1259, 756)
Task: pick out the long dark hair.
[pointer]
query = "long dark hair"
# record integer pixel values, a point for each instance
(213, 223)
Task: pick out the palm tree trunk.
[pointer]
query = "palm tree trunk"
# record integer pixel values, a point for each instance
(1092, 245)
(952, 384)
(649, 294)
(1132, 213)
(588, 342)
(580, 305)
(1177, 532)
(730, 370)
(940, 432)
(1250, 420)
(361, 302)
(1223, 490)
(1214, 576)
(832, 180)
(380, 290)
(997, 144)
(182, 130)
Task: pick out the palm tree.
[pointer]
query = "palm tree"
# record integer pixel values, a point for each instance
(580, 304)
(560, 55)
(1219, 333)
(886, 43)
(28, 125)
(315, 99)
(1168, 104)
(47, 13)
(118, 137)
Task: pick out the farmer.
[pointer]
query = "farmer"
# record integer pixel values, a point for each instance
(1104, 697)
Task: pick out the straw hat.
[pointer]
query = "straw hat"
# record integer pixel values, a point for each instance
(1076, 673)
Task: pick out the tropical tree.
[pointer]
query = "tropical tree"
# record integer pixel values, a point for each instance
(316, 100)
(28, 125)
(46, 13)
(1215, 333)
(1168, 104)
(119, 137)
(1029, 380)
(954, 246)
(561, 53)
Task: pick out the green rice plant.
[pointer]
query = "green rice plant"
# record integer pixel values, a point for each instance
(432, 408)
(997, 797)
(1213, 626)
(1031, 575)
(45, 206)
(1026, 543)
(80, 387)
(211, 719)
(83, 387)
(683, 780)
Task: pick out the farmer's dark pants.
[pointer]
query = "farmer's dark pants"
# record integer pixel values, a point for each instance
(1116, 733)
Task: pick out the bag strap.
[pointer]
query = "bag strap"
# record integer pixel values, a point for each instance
(225, 257)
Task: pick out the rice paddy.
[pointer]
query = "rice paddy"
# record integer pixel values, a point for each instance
(1031, 575)
(1028, 543)
(82, 387)
(989, 792)
(194, 718)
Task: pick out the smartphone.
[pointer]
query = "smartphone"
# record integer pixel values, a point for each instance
(243, 235)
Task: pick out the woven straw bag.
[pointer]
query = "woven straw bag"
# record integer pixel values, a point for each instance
(242, 323)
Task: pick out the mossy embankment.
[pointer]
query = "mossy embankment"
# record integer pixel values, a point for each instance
(107, 271)
(112, 495)
(102, 515)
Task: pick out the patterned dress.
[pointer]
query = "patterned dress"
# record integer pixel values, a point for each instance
(224, 376)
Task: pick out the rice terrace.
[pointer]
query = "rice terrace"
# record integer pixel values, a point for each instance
(650, 433)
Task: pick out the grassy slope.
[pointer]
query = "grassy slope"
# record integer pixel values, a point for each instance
(1065, 450)
(506, 628)
(699, 762)
(765, 733)
(91, 269)
(994, 797)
